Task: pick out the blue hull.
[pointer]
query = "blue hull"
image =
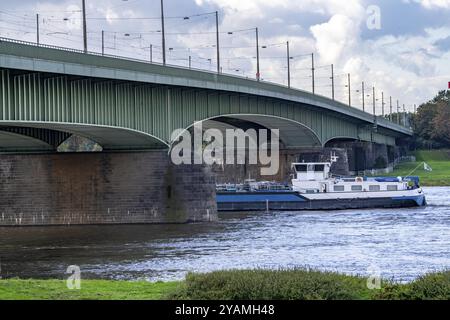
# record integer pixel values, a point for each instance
(292, 201)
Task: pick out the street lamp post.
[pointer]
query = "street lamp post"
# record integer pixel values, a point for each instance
(390, 108)
(163, 33)
(217, 42)
(363, 98)
(151, 53)
(313, 74)
(382, 103)
(404, 115)
(103, 42)
(349, 91)
(84, 27)
(374, 101)
(332, 81)
(258, 74)
(37, 28)
(398, 112)
(288, 64)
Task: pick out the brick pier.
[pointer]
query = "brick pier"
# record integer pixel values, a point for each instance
(103, 188)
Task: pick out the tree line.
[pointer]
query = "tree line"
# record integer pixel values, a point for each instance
(431, 123)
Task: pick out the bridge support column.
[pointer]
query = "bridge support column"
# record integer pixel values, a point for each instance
(353, 157)
(365, 156)
(103, 188)
(239, 173)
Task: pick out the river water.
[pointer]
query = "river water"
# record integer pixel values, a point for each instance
(401, 244)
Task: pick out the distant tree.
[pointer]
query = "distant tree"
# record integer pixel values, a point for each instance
(423, 120)
(441, 123)
(443, 95)
(431, 123)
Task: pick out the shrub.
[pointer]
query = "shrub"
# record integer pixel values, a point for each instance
(433, 286)
(293, 284)
(301, 284)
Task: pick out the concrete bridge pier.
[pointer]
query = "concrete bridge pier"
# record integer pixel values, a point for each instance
(103, 188)
(363, 155)
(354, 157)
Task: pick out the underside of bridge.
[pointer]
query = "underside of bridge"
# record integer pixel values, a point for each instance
(292, 134)
(33, 136)
(30, 136)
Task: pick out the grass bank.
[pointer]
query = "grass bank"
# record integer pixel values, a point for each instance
(17, 289)
(233, 285)
(439, 160)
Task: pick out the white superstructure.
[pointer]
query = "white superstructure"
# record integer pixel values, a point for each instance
(314, 181)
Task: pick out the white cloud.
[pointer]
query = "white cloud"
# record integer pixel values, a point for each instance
(410, 68)
(432, 4)
(333, 37)
(262, 7)
(276, 20)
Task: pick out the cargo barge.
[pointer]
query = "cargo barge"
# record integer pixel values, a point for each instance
(314, 188)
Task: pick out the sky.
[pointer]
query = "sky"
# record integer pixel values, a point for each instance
(400, 47)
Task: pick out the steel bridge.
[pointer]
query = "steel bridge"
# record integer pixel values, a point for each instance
(48, 94)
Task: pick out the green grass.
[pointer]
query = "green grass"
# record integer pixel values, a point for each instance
(432, 155)
(440, 176)
(15, 289)
(293, 284)
(438, 160)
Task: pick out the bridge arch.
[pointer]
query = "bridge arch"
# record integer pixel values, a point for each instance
(340, 139)
(109, 137)
(21, 142)
(293, 134)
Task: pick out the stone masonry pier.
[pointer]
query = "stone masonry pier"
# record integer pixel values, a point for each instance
(103, 188)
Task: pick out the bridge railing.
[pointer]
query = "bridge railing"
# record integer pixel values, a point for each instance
(99, 54)
(41, 45)
(107, 55)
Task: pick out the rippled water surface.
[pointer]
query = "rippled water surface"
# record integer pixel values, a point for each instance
(402, 243)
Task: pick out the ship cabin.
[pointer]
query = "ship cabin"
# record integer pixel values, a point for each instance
(316, 178)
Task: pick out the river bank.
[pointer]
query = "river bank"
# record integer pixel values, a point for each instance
(236, 285)
(438, 160)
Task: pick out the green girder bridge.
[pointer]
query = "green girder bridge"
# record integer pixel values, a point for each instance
(48, 94)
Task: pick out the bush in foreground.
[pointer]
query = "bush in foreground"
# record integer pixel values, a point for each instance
(304, 285)
(433, 286)
(271, 285)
